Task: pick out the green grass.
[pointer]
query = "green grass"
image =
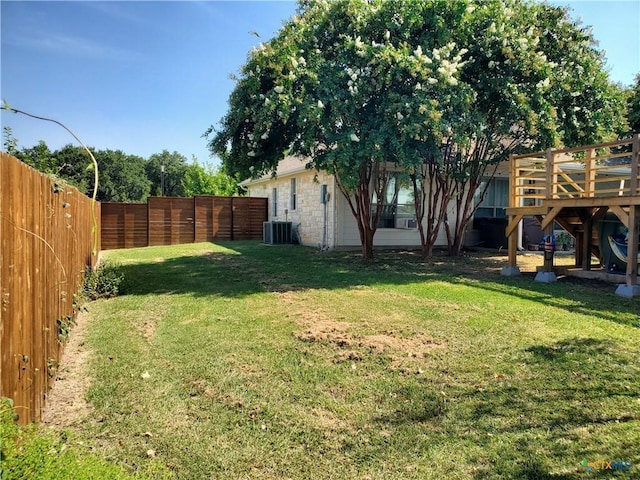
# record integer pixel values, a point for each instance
(30, 453)
(248, 361)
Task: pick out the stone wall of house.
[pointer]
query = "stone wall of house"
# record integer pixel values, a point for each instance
(309, 212)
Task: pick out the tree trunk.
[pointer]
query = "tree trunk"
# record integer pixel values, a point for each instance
(465, 210)
(371, 175)
(365, 229)
(367, 243)
(419, 202)
(465, 189)
(435, 190)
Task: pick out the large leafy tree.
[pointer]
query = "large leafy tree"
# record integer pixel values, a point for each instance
(528, 78)
(440, 89)
(208, 180)
(325, 88)
(121, 177)
(39, 157)
(633, 106)
(75, 166)
(174, 165)
(533, 79)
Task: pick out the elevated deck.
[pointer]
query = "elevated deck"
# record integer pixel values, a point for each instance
(578, 188)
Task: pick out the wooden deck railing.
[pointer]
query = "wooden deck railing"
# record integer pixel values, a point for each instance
(602, 170)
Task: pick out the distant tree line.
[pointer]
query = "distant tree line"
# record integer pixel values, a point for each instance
(124, 177)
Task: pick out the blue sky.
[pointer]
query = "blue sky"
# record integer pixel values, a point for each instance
(147, 76)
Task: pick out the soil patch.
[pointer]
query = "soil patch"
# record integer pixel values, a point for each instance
(353, 346)
(66, 403)
(337, 333)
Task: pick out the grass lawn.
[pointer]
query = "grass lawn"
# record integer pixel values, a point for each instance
(266, 362)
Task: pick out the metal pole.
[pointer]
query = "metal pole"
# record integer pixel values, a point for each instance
(162, 180)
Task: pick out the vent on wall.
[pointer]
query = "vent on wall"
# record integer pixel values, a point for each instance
(276, 232)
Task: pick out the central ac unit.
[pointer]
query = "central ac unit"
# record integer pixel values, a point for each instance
(276, 232)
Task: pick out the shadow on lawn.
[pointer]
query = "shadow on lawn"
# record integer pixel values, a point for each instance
(558, 386)
(529, 469)
(575, 384)
(525, 421)
(256, 268)
(585, 297)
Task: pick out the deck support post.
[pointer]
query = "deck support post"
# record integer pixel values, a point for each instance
(587, 240)
(512, 230)
(632, 245)
(512, 270)
(631, 288)
(547, 275)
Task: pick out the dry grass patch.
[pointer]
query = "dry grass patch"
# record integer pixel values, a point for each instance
(349, 345)
(66, 401)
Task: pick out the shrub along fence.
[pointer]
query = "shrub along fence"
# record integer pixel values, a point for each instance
(46, 242)
(170, 221)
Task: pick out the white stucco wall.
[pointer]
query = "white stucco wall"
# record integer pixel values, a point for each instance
(348, 236)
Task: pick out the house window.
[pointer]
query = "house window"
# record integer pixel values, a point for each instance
(294, 195)
(274, 202)
(398, 209)
(496, 199)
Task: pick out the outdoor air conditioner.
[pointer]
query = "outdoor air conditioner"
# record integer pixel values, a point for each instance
(276, 232)
(408, 223)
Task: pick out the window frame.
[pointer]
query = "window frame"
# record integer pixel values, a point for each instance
(294, 194)
(390, 221)
(274, 202)
(491, 201)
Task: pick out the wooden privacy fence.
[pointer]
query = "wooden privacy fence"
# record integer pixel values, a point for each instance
(170, 221)
(46, 241)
